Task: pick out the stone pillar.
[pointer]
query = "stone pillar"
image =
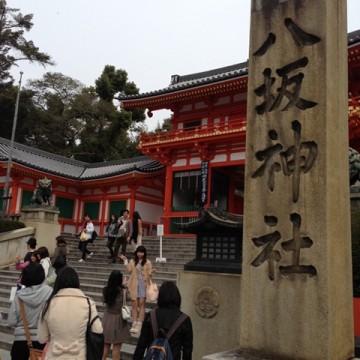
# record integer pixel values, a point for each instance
(45, 222)
(296, 300)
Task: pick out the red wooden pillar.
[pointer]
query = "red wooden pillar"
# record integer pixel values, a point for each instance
(132, 199)
(168, 198)
(103, 210)
(15, 194)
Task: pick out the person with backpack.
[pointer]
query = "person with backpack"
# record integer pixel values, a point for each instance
(173, 329)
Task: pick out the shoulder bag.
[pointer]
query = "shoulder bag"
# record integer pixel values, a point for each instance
(152, 291)
(94, 341)
(51, 276)
(35, 354)
(83, 236)
(125, 310)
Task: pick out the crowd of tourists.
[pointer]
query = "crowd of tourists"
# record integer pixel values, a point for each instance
(51, 314)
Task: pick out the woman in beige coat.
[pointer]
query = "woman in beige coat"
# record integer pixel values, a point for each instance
(141, 270)
(65, 317)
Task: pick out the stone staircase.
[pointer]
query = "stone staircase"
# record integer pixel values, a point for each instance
(94, 273)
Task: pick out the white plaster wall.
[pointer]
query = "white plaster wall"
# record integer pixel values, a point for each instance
(200, 105)
(97, 192)
(195, 161)
(149, 212)
(87, 192)
(240, 97)
(73, 191)
(60, 188)
(27, 181)
(112, 190)
(223, 100)
(219, 158)
(186, 107)
(237, 156)
(180, 162)
(150, 191)
(69, 228)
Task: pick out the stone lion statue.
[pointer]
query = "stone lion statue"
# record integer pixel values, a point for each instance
(42, 193)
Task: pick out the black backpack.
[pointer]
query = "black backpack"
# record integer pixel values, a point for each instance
(159, 349)
(93, 236)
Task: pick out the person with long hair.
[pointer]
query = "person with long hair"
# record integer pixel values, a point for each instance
(112, 230)
(167, 313)
(65, 317)
(140, 269)
(116, 329)
(136, 238)
(34, 294)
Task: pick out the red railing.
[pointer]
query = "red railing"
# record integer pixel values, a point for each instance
(234, 124)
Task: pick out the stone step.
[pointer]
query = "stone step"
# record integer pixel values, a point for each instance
(94, 273)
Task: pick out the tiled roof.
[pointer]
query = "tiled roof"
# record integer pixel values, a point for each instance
(74, 169)
(188, 81)
(182, 82)
(354, 37)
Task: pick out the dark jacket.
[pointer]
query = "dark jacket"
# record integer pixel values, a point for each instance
(181, 340)
(60, 250)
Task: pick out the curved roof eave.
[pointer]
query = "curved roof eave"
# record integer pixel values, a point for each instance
(72, 169)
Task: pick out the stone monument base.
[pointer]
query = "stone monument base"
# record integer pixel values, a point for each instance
(45, 222)
(234, 354)
(212, 301)
(237, 354)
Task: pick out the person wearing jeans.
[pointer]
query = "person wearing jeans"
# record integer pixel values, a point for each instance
(89, 229)
(124, 235)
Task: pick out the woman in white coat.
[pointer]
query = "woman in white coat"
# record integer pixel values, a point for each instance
(141, 270)
(65, 317)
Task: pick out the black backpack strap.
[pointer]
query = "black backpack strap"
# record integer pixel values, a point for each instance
(154, 322)
(176, 325)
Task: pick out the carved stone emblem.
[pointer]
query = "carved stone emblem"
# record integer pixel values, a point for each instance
(207, 302)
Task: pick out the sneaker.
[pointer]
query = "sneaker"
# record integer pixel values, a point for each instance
(88, 256)
(137, 329)
(133, 327)
(81, 260)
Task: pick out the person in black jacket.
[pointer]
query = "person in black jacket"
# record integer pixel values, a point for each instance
(167, 313)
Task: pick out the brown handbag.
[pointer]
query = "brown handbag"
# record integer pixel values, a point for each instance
(35, 354)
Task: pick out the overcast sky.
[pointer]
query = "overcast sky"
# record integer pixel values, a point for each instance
(150, 39)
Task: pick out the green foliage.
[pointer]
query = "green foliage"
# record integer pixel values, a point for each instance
(355, 241)
(166, 125)
(110, 82)
(8, 225)
(13, 45)
(59, 115)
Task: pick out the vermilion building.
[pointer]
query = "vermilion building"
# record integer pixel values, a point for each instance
(199, 162)
(208, 132)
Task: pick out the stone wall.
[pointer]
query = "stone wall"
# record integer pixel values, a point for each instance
(212, 301)
(13, 243)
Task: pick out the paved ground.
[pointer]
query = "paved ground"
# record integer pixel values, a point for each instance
(4, 355)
